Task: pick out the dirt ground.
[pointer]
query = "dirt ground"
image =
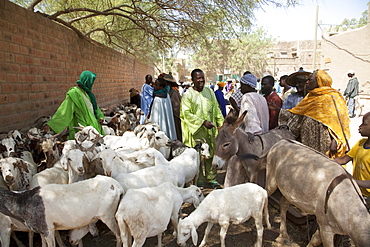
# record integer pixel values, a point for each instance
(238, 235)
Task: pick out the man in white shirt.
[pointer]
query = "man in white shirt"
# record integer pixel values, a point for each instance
(257, 118)
(256, 121)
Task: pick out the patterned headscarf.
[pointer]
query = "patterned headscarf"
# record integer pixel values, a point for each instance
(86, 82)
(323, 78)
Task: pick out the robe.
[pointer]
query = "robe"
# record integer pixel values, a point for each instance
(75, 109)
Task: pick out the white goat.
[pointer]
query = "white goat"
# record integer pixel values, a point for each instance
(180, 170)
(52, 175)
(27, 156)
(146, 130)
(128, 141)
(76, 235)
(63, 207)
(234, 204)
(9, 146)
(114, 162)
(17, 173)
(153, 208)
(108, 130)
(185, 166)
(147, 177)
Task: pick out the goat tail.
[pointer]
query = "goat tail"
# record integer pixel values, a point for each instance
(266, 212)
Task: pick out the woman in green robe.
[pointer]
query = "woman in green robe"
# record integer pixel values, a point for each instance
(79, 107)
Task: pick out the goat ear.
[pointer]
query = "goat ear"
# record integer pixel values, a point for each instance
(64, 162)
(198, 146)
(196, 201)
(86, 163)
(194, 236)
(2, 148)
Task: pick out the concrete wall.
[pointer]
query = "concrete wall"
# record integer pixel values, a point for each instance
(40, 60)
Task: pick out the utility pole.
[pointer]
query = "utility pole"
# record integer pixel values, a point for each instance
(315, 38)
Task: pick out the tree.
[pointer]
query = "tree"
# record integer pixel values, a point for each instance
(147, 27)
(353, 23)
(247, 52)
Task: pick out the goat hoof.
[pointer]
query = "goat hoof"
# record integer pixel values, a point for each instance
(284, 241)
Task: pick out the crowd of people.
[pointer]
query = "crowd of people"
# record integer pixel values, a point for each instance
(317, 114)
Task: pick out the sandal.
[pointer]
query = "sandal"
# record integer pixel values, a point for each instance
(215, 185)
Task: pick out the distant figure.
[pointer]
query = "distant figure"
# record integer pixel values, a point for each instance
(297, 80)
(181, 87)
(187, 85)
(229, 87)
(146, 97)
(272, 98)
(236, 99)
(175, 101)
(220, 97)
(301, 69)
(287, 89)
(134, 97)
(161, 109)
(351, 92)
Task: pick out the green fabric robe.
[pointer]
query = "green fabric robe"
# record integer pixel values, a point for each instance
(195, 108)
(76, 108)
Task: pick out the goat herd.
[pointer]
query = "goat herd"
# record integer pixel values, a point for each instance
(135, 180)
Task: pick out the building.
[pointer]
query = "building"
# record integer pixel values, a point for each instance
(287, 57)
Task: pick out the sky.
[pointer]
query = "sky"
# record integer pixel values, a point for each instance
(298, 23)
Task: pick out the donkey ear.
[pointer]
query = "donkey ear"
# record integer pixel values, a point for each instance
(239, 121)
(231, 117)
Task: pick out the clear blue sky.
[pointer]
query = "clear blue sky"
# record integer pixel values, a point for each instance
(298, 23)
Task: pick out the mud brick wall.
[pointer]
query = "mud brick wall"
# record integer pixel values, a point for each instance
(40, 60)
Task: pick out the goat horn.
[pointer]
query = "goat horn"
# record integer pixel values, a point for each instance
(33, 137)
(64, 132)
(40, 118)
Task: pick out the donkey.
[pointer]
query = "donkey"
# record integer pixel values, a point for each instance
(317, 185)
(233, 143)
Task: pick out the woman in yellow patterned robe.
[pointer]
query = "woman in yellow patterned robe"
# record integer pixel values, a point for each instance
(321, 119)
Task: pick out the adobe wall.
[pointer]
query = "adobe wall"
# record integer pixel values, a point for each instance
(40, 60)
(345, 51)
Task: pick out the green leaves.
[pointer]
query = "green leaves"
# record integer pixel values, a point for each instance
(246, 52)
(147, 27)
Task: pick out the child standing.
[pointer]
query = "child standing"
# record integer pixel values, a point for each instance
(360, 156)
